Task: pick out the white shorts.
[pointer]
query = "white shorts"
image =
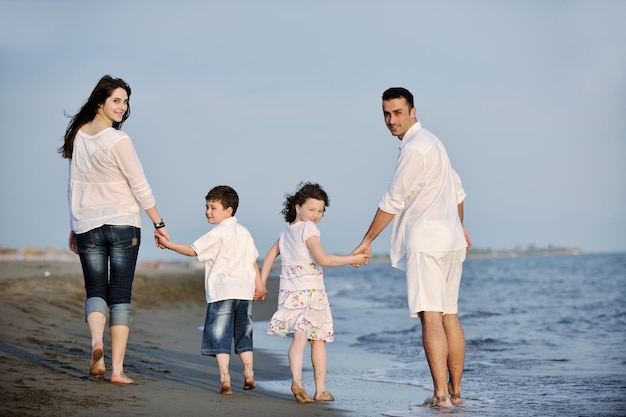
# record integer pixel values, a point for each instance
(433, 280)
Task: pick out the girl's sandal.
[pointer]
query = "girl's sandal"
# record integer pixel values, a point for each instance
(301, 394)
(324, 396)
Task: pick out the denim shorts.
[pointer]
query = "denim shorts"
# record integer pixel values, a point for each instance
(227, 322)
(108, 255)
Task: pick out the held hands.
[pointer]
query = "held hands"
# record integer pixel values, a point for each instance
(161, 238)
(364, 250)
(259, 294)
(361, 259)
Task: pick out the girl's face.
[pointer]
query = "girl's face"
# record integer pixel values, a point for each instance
(114, 106)
(216, 213)
(311, 211)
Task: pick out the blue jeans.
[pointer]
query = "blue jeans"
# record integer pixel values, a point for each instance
(108, 255)
(227, 321)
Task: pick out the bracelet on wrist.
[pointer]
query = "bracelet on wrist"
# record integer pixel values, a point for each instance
(159, 225)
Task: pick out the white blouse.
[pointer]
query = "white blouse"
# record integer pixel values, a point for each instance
(106, 182)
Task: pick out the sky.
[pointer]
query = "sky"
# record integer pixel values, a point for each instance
(529, 98)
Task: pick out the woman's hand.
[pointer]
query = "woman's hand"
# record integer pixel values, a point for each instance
(72, 242)
(160, 233)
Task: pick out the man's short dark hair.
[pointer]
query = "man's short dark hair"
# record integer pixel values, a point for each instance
(399, 92)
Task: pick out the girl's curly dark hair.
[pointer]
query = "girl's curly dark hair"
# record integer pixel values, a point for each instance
(305, 191)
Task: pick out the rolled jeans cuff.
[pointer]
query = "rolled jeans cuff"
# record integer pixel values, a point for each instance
(96, 305)
(120, 315)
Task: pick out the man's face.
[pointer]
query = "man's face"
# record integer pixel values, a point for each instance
(398, 116)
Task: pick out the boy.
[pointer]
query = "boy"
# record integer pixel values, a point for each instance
(232, 281)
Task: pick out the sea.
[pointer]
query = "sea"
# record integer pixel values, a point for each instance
(546, 336)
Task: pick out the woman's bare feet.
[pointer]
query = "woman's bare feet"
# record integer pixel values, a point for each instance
(96, 366)
(300, 393)
(324, 396)
(225, 388)
(121, 379)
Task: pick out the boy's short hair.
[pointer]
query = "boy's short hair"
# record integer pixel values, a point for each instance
(226, 195)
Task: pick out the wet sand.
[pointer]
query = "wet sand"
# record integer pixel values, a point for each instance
(45, 350)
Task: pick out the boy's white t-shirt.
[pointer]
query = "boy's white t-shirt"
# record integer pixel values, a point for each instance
(229, 254)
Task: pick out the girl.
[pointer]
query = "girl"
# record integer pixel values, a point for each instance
(106, 189)
(303, 307)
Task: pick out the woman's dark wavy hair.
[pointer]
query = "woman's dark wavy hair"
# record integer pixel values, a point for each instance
(305, 191)
(87, 113)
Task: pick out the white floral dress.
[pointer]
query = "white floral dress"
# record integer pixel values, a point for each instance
(302, 301)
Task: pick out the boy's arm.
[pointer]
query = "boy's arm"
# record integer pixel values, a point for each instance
(176, 247)
(268, 261)
(259, 289)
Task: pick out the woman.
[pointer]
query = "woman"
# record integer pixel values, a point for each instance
(106, 191)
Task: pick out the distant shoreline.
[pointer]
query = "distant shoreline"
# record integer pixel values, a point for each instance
(31, 253)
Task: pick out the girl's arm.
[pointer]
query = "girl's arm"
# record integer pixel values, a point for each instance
(322, 258)
(268, 261)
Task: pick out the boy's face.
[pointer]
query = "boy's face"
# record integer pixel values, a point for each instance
(216, 213)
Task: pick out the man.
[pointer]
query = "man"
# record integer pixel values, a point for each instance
(428, 241)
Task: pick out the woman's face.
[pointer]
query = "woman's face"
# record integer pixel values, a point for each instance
(115, 106)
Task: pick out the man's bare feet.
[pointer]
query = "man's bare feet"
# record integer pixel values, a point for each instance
(225, 389)
(455, 398)
(441, 402)
(300, 393)
(96, 366)
(324, 396)
(249, 384)
(121, 379)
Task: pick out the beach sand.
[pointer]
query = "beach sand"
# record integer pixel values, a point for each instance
(45, 350)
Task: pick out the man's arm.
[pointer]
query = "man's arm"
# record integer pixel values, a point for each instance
(467, 236)
(380, 221)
